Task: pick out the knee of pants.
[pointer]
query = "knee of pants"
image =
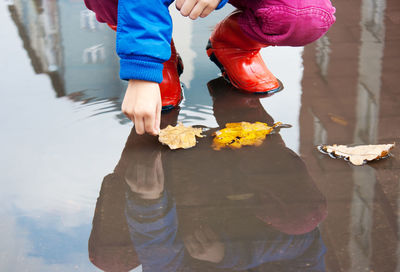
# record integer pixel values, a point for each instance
(106, 10)
(284, 25)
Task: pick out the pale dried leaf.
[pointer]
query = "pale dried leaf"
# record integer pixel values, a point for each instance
(358, 155)
(179, 136)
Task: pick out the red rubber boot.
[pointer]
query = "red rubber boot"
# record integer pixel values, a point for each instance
(170, 87)
(239, 59)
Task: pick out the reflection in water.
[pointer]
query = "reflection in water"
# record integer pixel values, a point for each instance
(206, 210)
(349, 77)
(64, 41)
(366, 127)
(39, 27)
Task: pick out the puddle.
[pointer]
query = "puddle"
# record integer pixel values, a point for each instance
(82, 191)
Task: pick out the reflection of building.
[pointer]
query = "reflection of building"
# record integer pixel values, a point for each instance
(38, 27)
(343, 86)
(64, 40)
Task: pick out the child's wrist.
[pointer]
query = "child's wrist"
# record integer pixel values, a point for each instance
(141, 83)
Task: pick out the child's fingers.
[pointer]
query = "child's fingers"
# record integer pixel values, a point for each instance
(139, 127)
(196, 11)
(206, 12)
(179, 4)
(210, 234)
(158, 119)
(149, 120)
(193, 246)
(187, 7)
(202, 238)
(159, 170)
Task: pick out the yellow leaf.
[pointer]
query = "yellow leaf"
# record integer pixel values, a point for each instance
(338, 119)
(240, 196)
(236, 135)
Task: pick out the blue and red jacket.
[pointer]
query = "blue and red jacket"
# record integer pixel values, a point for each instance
(144, 31)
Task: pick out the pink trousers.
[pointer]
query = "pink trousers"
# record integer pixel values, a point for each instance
(273, 22)
(285, 22)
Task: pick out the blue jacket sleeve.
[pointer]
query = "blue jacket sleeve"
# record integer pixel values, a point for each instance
(222, 4)
(153, 227)
(143, 38)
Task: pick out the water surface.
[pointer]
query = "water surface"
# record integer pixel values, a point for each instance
(81, 191)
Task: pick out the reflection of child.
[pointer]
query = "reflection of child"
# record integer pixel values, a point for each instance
(178, 220)
(149, 61)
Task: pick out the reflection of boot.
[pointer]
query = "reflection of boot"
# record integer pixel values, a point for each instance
(229, 105)
(170, 87)
(239, 59)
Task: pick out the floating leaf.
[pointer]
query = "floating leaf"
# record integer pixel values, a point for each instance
(240, 196)
(358, 155)
(179, 136)
(236, 135)
(338, 119)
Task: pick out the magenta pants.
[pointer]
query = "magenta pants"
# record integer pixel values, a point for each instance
(273, 22)
(285, 22)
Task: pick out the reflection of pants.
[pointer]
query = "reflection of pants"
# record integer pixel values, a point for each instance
(275, 22)
(285, 22)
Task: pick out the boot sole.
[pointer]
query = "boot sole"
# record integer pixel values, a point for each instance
(214, 59)
(172, 106)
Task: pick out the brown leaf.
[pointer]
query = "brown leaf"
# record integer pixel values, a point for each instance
(358, 155)
(179, 136)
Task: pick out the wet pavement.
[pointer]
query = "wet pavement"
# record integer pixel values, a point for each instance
(83, 192)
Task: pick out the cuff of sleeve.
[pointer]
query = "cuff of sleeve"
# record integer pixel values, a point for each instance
(141, 69)
(222, 3)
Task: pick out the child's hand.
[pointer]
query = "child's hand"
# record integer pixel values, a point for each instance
(205, 245)
(196, 8)
(145, 176)
(142, 104)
